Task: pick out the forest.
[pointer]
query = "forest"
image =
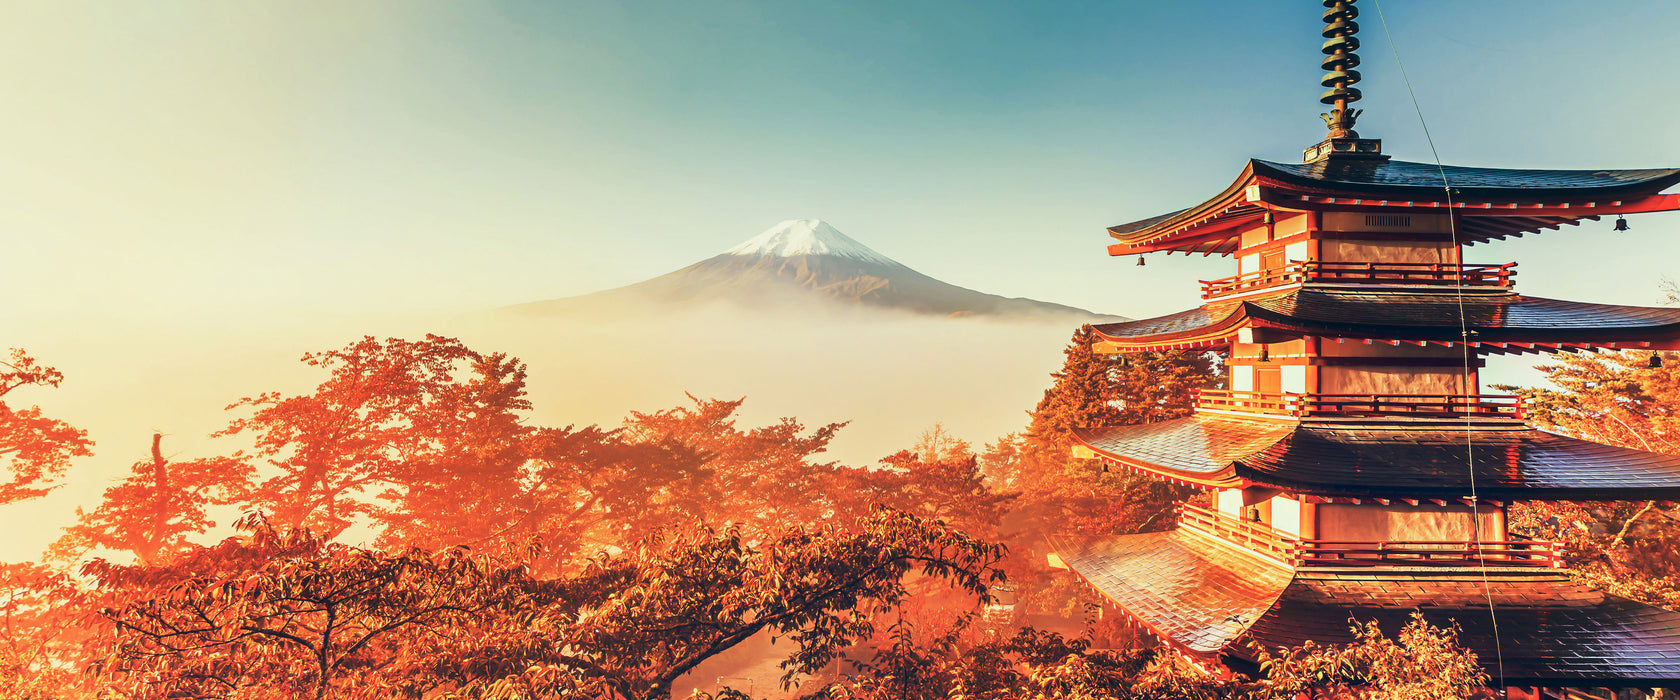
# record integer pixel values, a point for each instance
(403, 530)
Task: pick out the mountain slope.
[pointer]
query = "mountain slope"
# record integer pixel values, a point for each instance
(798, 263)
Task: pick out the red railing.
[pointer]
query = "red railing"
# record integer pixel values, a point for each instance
(1316, 271)
(1249, 402)
(1264, 539)
(1418, 406)
(1512, 553)
(1256, 536)
(1365, 405)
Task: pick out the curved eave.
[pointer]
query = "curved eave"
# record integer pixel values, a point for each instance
(1201, 450)
(1219, 332)
(1567, 635)
(1359, 179)
(1550, 200)
(1191, 591)
(1207, 228)
(1378, 459)
(1547, 324)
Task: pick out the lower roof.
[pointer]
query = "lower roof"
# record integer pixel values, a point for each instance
(1388, 460)
(1209, 598)
(1198, 593)
(1492, 318)
(1540, 631)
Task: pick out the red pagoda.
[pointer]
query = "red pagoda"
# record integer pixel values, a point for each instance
(1357, 470)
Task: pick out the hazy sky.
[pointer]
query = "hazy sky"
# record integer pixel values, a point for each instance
(193, 162)
(194, 193)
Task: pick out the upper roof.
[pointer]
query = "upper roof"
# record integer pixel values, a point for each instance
(1207, 598)
(1423, 181)
(1495, 318)
(1491, 202)
(1393, 460)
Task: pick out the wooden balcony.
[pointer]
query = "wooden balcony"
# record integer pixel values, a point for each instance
(1370, 273)
(1281, 546)
(1255, 536)
(1364, 405)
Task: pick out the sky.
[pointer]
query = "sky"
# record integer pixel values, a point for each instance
(181, 162)
(174, 171)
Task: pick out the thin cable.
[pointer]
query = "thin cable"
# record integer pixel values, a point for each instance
(1464, 338)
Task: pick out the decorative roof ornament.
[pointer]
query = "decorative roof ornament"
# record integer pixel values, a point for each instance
(1340, 76)
(1340, 61)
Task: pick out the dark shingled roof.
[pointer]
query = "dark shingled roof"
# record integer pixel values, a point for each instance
(1404, 316)
(1422, 181)
(1209, 597)
(1552, 632)
(1435, 461)
(1199, 593)
(1201, 445)
(1392, 460)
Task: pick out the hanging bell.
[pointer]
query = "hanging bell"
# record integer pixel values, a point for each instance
(1621, 224)
(1656, 361)
(1140, 261)
(1265, 354)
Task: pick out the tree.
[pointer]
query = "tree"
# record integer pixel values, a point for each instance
(414, 423)
(1616, 398)
(1083, 498)
(589, 489)
(657, 612)
(948, 489)
(45, 637)
(284, 615)
(34, 449)
(1421, 661)
(764, 475)
(288, 615)
(151, 513)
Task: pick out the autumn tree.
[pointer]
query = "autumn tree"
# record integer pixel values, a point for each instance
(287, 614)
(1420, 662)
(1622, 398)
(950, 488)
(284, 615)
(667, 609)
(34, 450)
(45, 634)
(151, 513)
(1069, 496)
(762, 475)
(588, 489)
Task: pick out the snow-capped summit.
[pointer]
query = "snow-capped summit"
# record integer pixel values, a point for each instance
(796, 237)
(804, 264)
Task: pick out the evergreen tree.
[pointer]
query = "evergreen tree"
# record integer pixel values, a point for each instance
(1068, 497)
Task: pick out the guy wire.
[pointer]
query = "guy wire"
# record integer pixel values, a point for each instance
(1464, 338)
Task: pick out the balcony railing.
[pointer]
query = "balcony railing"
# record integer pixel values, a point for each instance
(1365, 405)
(1397, 273)
(1282, 546)
(1256, 536)
(1513, 553)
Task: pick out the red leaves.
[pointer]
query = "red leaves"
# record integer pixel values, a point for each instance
(35, 449)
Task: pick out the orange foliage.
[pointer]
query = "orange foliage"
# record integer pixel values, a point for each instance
(34, 449)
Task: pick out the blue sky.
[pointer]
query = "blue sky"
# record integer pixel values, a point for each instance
(180, 161)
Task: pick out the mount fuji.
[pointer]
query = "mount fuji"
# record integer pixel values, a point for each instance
(800, 263)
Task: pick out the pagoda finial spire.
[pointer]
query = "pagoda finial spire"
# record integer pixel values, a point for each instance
(1340, 60)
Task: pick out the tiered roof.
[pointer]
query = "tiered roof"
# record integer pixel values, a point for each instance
(1503, 322)
(1491, 203)
(1213, 600)
(1388, 460)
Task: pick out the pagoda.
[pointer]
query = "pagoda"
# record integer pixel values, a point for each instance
(1357, 470)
